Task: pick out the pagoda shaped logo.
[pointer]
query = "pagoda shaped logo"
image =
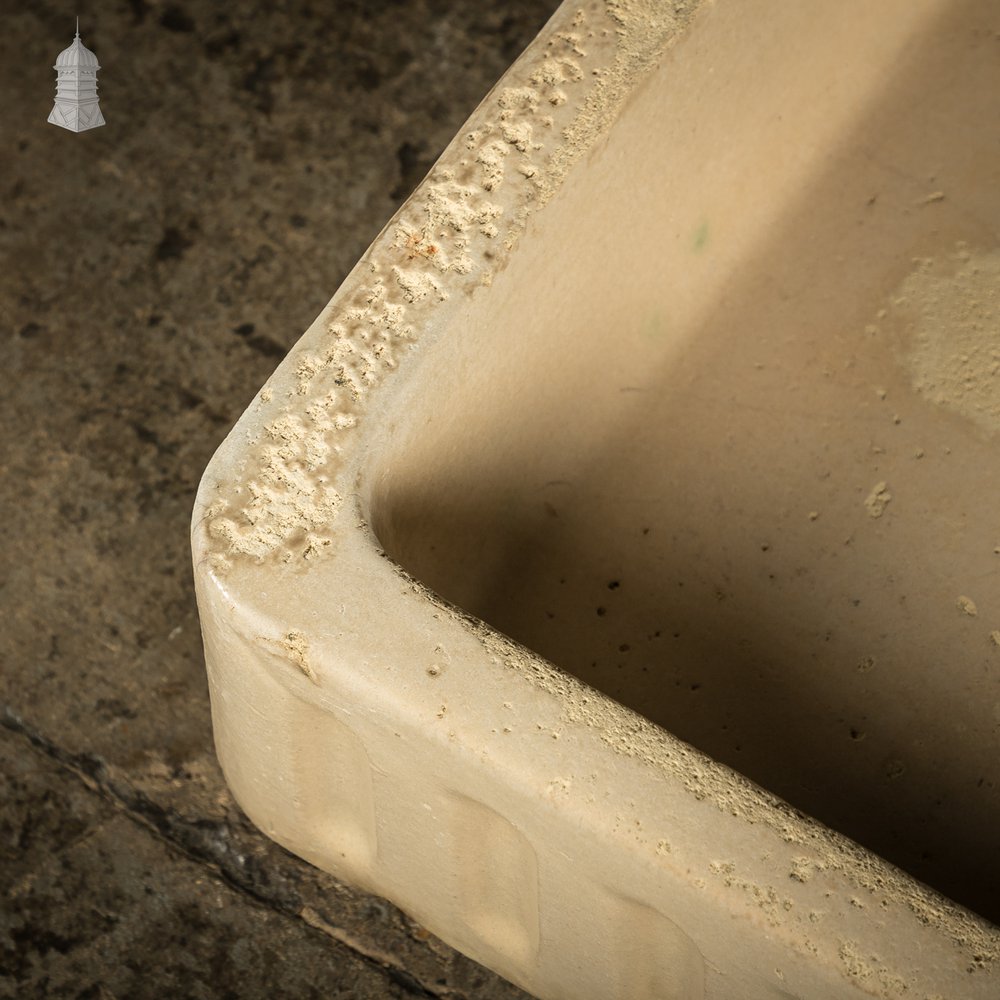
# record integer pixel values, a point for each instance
(76, 106)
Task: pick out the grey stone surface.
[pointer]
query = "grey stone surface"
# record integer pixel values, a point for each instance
(153, 273)
(97, 906)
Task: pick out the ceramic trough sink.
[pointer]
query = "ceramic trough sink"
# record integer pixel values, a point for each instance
(610, 576)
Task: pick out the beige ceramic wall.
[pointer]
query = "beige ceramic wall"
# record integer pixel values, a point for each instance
(679, 370)
(722, 441)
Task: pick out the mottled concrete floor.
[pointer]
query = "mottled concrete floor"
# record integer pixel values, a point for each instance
(152, 274)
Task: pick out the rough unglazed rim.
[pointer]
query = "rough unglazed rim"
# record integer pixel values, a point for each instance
(287, 496)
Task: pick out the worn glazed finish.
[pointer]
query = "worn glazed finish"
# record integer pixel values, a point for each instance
(659, 373)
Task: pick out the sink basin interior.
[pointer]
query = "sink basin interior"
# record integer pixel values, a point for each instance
(722, 439)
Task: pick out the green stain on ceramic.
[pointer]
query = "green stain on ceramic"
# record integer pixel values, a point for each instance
(654, 326)
(700, 238)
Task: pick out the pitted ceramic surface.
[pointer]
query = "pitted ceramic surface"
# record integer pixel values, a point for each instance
(451, 237)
